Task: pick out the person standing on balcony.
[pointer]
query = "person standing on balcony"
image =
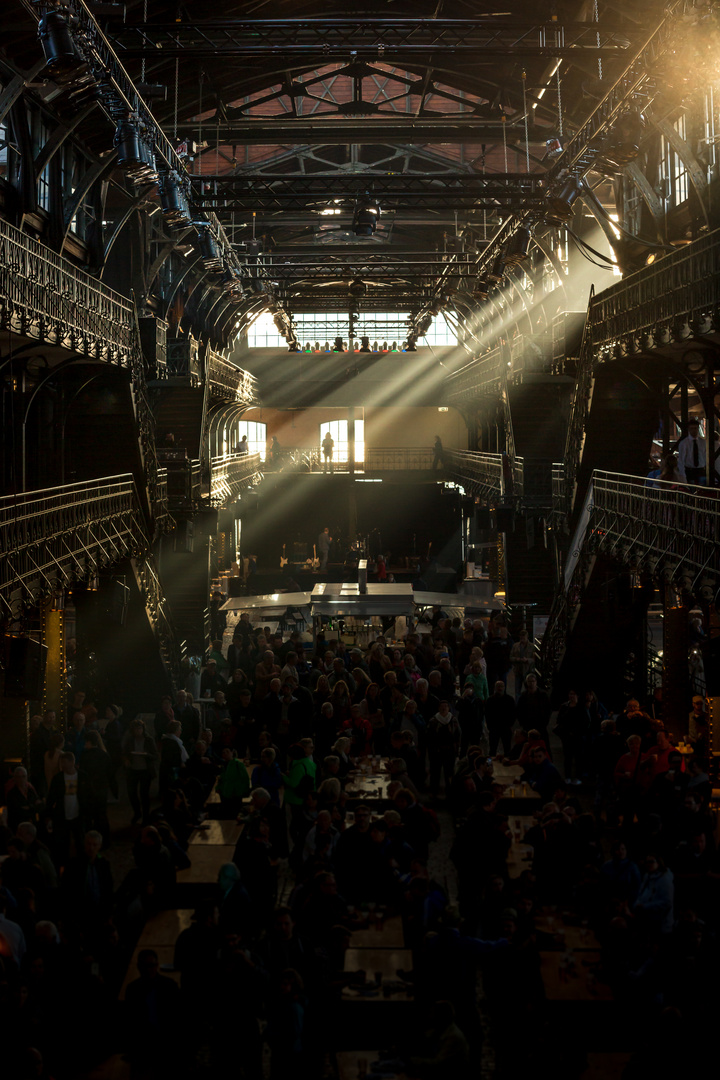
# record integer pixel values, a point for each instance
(328, 444)
(691, 455)
(438, 453)
(243, 446)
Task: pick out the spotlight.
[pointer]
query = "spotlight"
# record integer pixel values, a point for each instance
(209, 250)
(127, 142)
(518, 247)
(411, 344)
(173, 200)
(375, 346)
(338, 346)
(553, 148)
(230, 280)
(384, 346)
(482, 288)
(622, 145)
(498, 269)
(317, 346)
(357, 287)
(424, 325)
(326, 346)
(365, 345)
(366, 216)
(356, 346)
(308, 347)
(561, 203)
(393, 347)
(61, 56)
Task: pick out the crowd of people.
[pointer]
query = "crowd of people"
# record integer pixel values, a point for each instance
(623, 839)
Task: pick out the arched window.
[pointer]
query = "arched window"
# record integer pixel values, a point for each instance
(339, 431)
(256, 436)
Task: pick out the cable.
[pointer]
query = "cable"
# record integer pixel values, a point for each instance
(583, 247)
(616, 225)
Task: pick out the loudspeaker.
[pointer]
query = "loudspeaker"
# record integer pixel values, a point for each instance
(504, 519)
(185, 537)
(24, 661)
(468, 505)
(235, 586)
(482, 517)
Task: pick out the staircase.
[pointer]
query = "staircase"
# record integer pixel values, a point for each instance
(622, 420)
(180, 410)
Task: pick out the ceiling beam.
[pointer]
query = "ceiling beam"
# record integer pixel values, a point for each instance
(382, 39)
(270, 131)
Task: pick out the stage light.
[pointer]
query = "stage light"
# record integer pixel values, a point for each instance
(482, 288)
(365, 218)
(209, 250)
(518, 247)
(561, 203)
(61, 56)
(338, 346)
(365, 345)
(498, 269)
(173, 200)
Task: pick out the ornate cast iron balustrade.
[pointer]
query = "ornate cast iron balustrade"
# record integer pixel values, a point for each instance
(230, 382)
(231, 473)
(45, 297)
(159, 615)
(661, 305)
(676, 531)
(631, 517)
(52, 537)
(476, 379)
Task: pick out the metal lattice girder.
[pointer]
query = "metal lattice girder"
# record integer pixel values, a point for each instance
(408, 265)
(327, 37)
(232, 473)
(312, 130)
(441, 190)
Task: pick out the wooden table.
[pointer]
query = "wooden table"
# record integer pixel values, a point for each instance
(389, 936)
(519, 859)
(387, 962)
(350, 1067)
(506, 774)
(206, 860)
(577, 938)
(217, 832)
(165, 954)
(369, 788)
(582, 986)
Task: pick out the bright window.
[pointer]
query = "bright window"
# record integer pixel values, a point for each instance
(319, 331)
(256, 436)
(339, 431)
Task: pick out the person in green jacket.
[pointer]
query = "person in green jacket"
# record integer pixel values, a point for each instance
(233, 783)
(477, 680)
(296, 786)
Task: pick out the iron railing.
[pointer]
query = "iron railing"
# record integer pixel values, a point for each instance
(228, 381)
(477, 378)
(660, 305)
(49, 538)
(159, 616)
(45, 297)
(230, 473)
(663, 526)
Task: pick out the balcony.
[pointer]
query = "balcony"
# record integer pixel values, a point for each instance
(479, 378)
(230, 473)
(44, 297)
(661, 306)
(52, 537)
(229, 382)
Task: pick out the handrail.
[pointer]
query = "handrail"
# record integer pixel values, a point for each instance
(44, 295)
(230, 473)
(230, 381)
(476, 376)
(53, 535)
(650, 520)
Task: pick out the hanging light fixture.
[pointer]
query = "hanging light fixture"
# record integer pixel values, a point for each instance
(338, 346)
(173, 200)
(482, 288)
(561, 201)
(365, 218)
(209, 251)
(61, 56)
(365, 344)
(498, 269)
(518, 247)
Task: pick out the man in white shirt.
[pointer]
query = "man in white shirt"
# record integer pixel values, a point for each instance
(691, 455)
